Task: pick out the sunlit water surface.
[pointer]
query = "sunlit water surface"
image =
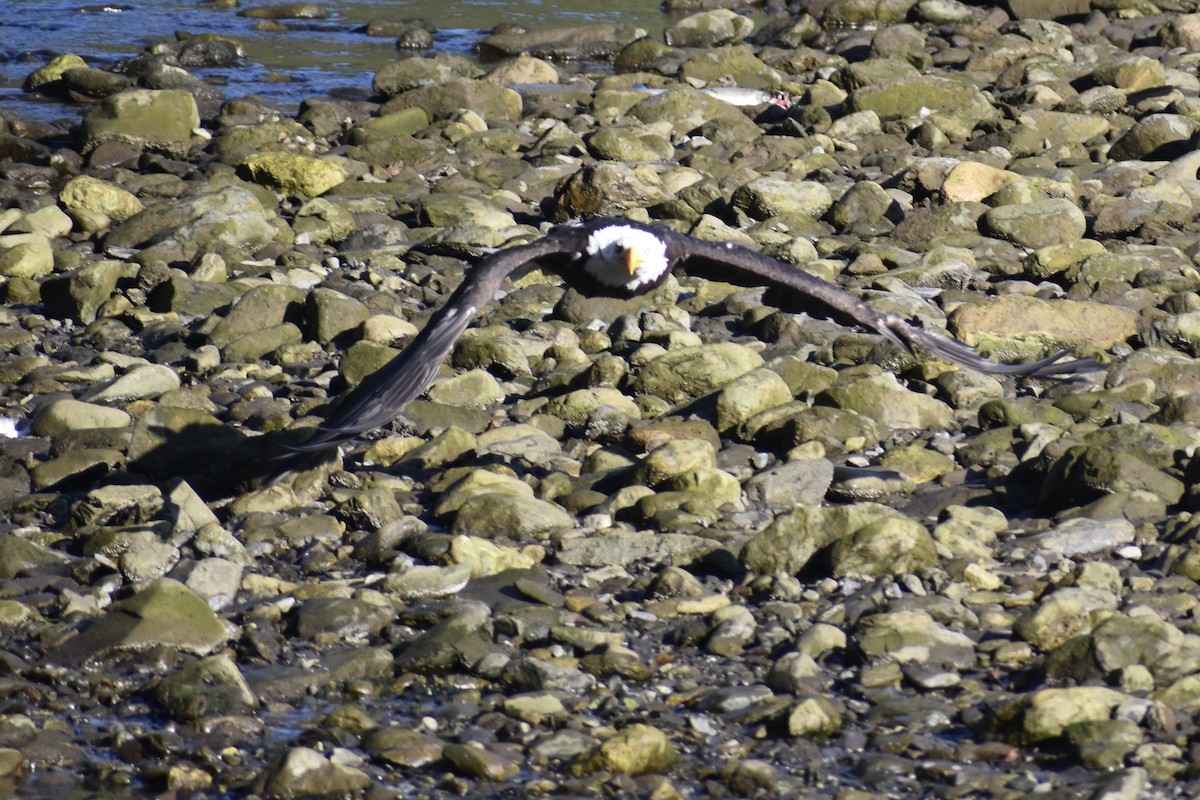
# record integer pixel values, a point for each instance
(312, 58)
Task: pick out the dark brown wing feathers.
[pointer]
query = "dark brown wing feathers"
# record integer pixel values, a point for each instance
(733, 264)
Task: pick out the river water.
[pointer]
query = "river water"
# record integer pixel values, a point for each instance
(311, 58)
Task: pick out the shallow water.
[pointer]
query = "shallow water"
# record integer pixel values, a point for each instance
(313, 57)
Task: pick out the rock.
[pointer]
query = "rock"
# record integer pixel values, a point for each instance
(708, 28)
(630, 144)
(1001, 326)
(479, 763)
(164, 613)
(1065, 613)
(1038, 224)
(444, 100)
(25, 255)
(84, 193)
(605, 188)
(230, 219)
(814, 717)
(773, 197)
(79, 294)
(635, 750)
(788, 543)
(305, 772)
(329, 313)
(209, 687)
(510, 515)
(579, 43)
(1051, 711)
(48, 79)
(323, 222)
(294, 174)
(797, 483)
(906, 96)
(158, 120)
(410, 73)
(66, 414)
(141, 382)
(691, 371)
(881, 398)
(892, 545)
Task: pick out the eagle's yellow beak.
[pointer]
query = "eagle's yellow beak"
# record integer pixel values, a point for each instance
(632, 260)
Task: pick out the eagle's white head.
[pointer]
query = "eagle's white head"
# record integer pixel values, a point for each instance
(625, 257)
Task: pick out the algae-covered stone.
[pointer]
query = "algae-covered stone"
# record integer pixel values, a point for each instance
(323, 221)
(799, 482)
(609, 187)
(1051, 711)
(209, 687)
(472, 389)
(143, 381)
(409, 73)
(914, 637)
(48, 77)
(1000, 325)
(294, 174)
(881, 398)
(907, 96)
(673, 458)
(1067, 612)
(814, 717)
(25, 255)
(260, 307)
(85, 193)
(635, 750)
(485, 558)
(1155, 137)
(691, 371)
(162, 120)
(788, 543)
(771, 197)
(1038, 224)
(304, 772)
(630, 144)
(708, 28)
(492, 102)
(477, 762)
(229, 217)
(577, 407)
(890, 545)
(80, 293)
(510, 515)
(67, 414)
(164, 613)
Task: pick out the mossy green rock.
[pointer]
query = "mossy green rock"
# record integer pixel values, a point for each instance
(330, 313)
(80, 293)
(708, 28)
(886, 546)
(212, 686)
(294, 174)
(510, 515)
(492, 102)
(635, 750)
(85, 193)
(788, 543)
(165, 613)
(692, 371)
(881, 398)
(161, 120)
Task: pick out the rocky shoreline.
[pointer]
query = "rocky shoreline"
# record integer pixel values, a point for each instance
(690, 544)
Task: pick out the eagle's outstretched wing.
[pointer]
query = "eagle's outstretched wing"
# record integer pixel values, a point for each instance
(733, 264)
(385, 392)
